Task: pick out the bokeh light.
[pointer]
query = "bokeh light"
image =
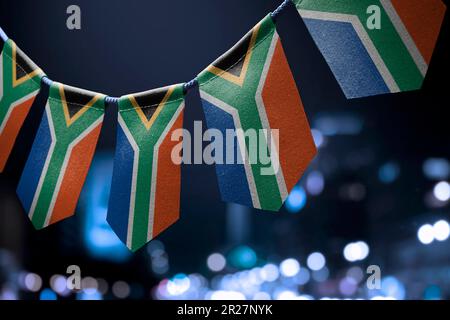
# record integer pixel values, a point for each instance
(47, 294)
(441, 230)
(389, 172)
(178, 285)
(289, 267)
(121, 289)
(315, 183)
(425, 234)
(432, 292)
(436, 168)
(356, 251)
(348, 286)
(321, 275)
(216, 262)
(302, 277)
(270, 272)
(33, 282)
(442, 191)
(286, 295)
(58, 283)
(296, 200)
(227, 295)
(316, 261)
(243, 257)
(392, 287)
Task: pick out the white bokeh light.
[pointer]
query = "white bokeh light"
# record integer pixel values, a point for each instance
(350, 252)
(426, 234)
(58, 283)
(33, 282)
(316, 261)
(286, 295)
(442, 191)
(289, 267)
(356, 251)
(441, 230)
(364, 248)
(216, 262)
(227, 295)
(270, 272)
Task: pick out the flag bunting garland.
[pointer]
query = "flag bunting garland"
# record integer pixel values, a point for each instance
(371, 48)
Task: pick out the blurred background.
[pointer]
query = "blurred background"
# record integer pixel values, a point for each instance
(376, 196)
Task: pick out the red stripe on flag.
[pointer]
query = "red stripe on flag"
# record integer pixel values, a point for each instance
(168, 184)
(423, 20)
(285, 112)
(11, 130)
(75, 175)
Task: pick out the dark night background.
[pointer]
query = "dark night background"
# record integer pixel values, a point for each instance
(379, 161)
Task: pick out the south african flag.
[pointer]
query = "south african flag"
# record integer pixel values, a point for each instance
(368, 60)
(251, 87)
(20, 81)
(145, 192)
(61, 155)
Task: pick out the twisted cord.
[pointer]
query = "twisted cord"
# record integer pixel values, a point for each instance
(189, 85)
(3, 35)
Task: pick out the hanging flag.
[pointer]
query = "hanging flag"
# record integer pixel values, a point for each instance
(62, 152)
(20, 81)
(145, 192)
(375, 47)
(251, 89)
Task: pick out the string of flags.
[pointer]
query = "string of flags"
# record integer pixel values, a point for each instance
(251, 87)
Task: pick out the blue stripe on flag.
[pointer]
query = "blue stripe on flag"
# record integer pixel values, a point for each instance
(119, 200)
(35, 164)
(347, 57)
(232, 180)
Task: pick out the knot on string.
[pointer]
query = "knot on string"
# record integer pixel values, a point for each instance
(111, 99)
(189, 85)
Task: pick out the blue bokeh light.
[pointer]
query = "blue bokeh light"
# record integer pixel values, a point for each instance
(47, 294)
(243, 257)
(389, 172)
(296, 200)
(392, 287)
(436, 168)
(432, 293)
(94, 295)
